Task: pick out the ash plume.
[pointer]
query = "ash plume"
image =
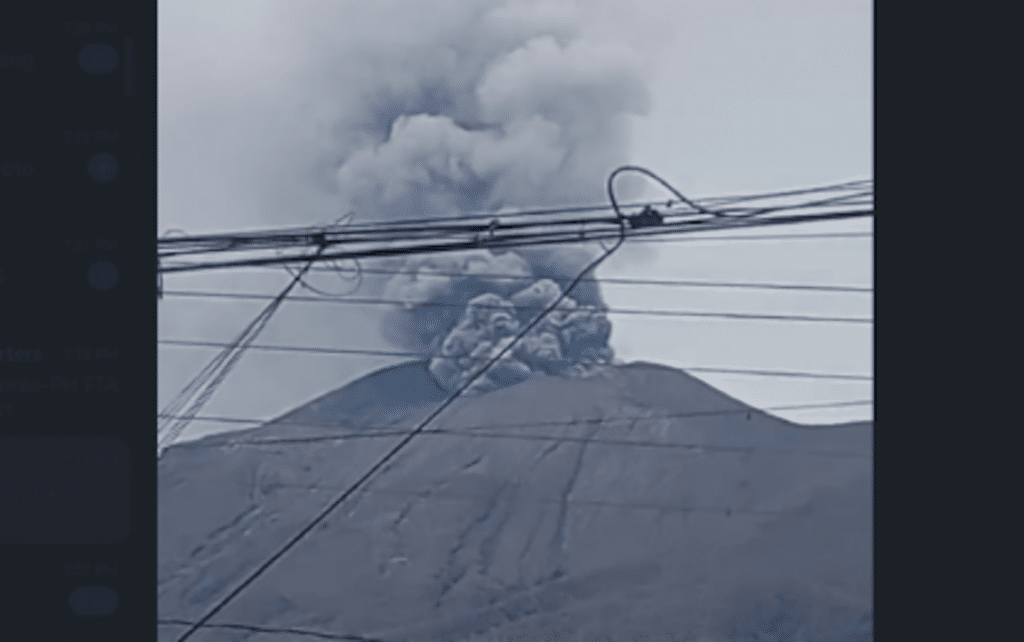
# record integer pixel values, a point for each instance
(467, 109)
(572, 340)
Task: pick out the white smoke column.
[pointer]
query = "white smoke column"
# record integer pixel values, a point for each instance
(550, 129)
(456, 108)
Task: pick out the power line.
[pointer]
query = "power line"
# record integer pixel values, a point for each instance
(214, 344)
(493, 431)
(859, 183)
(389, 353)
(515, 240)
(694, 238)
(481, 240)
(202, 387)
(864, 185)
(782, 373)
(641, 312)
(497, 233)
(604, 280)
(430, 417)
(483, 222)
(764, 237)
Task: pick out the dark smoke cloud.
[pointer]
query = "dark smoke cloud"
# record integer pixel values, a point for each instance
(470, 107)
(570, 341)
(435, 289)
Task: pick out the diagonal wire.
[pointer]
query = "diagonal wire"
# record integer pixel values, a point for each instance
(202, 387)
(406, 440)
(358, 278)
(412, 434)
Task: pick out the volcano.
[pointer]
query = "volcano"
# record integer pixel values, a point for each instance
(639, 503)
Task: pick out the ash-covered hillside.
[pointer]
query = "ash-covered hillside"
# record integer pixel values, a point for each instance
(636, 502)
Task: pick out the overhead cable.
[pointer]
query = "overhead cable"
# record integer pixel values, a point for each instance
(513, 229)
(420, 426)
(392, 230)
(407, 247)
(430, 273)
(396, 353)
(202, 387)
(630, 311)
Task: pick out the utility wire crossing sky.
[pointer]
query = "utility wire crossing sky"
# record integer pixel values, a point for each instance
(729, 98)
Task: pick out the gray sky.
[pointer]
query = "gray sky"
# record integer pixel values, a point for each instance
(744, 96)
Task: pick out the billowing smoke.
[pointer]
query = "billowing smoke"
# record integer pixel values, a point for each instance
(479, 106)
(542, 125)
(572, 340)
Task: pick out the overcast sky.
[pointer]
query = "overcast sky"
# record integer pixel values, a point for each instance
(742, 96)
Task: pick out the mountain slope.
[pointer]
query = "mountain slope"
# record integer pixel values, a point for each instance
(639, 502)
